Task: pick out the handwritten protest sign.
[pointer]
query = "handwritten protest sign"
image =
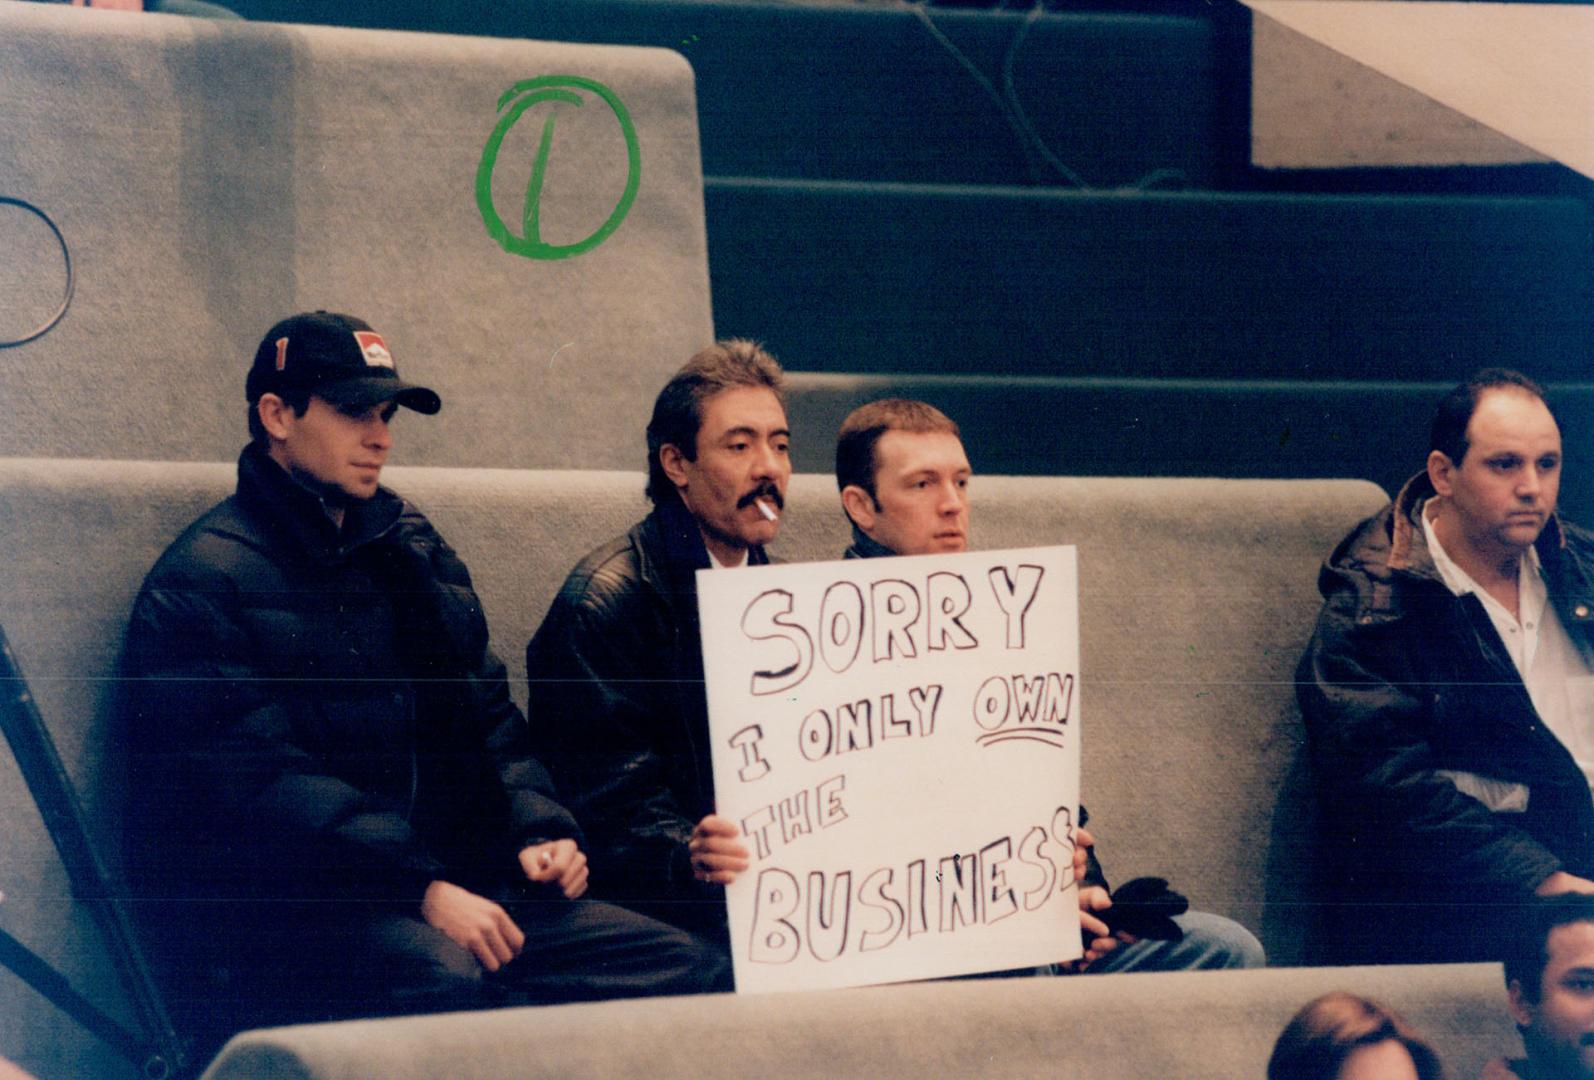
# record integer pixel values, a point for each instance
(899, 741)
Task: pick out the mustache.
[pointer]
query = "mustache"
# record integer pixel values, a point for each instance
(763, 491)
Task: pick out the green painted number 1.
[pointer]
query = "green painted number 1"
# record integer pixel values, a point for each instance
(550, 88)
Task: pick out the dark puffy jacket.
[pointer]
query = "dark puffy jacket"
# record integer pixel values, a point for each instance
(315, 714)
(1409, 696)
(618, 708)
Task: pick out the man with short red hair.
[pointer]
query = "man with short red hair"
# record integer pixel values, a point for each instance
(904, 480)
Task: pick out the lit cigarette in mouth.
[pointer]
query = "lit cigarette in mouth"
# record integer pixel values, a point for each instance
(765, 509)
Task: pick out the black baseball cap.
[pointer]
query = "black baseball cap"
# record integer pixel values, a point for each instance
(335, 357)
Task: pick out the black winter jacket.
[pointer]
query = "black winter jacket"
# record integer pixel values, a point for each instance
(315, 713)
(618, 709)
(1408, 694)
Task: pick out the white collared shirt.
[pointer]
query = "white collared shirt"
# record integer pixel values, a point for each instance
(1557, 679)
(714, 561)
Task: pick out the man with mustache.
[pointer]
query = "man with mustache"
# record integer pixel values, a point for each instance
(616, 669)
(1448, 694)
(904, 480)
(1549, 975)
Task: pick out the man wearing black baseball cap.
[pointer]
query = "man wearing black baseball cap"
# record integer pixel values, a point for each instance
(310, 367)
(332, 797)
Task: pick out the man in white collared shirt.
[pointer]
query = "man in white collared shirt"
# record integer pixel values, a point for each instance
(1446, 691)
(1555, 674)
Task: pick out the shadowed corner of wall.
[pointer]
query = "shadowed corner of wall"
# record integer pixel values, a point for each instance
(1292, 908)
(239, 168)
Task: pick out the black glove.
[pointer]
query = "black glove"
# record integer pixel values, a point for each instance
(1145, 907)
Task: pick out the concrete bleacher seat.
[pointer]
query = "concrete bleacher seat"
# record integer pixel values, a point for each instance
(1157, 333)
(930, 279)
(1217, 1025)
(1192, 745)
(211, 177)
(1108, 426)
(867, 92)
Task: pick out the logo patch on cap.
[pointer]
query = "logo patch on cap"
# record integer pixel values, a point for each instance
(374, 348)
(282, 353)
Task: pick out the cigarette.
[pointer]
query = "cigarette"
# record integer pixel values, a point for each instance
(763, 508)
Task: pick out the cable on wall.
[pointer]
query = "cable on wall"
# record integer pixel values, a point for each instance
(71, 278)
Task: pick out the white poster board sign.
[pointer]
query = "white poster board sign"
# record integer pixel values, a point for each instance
(898, 739)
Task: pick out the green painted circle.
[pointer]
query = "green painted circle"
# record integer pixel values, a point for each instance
(535, 91)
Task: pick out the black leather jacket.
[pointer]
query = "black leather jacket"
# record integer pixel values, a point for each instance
(315, 713)
(1408, 694)
(618, 708)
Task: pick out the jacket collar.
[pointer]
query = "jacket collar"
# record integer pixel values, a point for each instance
(274, 497)
(1408, 543)
(863, 547)
(673, 551)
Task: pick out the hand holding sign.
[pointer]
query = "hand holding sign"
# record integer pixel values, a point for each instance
(1098, 937)
(717, 853)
